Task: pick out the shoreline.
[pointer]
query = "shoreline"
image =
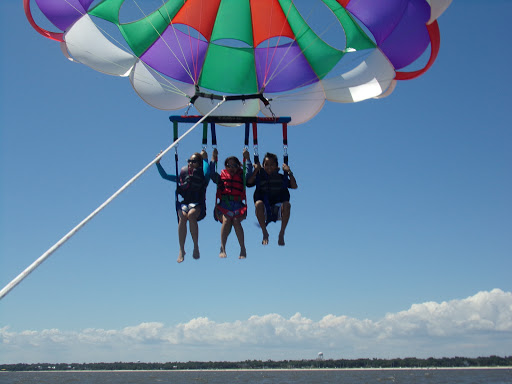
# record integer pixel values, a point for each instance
(270, 369)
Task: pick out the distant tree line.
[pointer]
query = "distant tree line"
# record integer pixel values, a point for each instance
(408, 362)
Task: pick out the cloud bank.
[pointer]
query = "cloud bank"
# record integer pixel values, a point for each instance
(476, 326)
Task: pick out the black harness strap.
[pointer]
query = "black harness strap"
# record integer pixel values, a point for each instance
(255, 141)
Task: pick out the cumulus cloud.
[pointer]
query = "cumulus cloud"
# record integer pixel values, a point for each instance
(478, 325)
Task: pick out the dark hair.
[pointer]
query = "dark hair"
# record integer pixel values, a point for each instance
(271, 157)
(199, 157)
(234, 159)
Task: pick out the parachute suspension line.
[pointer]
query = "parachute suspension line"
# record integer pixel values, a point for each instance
(265, 82)
(165, 83)
(196, 63)
(267, 68)
(190, 42)
(60, 37)
(293, 96)
(72, 6)
(168, 85)
(275, 73)
(278, 69)
(399, 75)
(70, 234)
(187, 69)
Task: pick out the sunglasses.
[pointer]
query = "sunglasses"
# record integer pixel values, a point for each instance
(232, 166)
(194, 161)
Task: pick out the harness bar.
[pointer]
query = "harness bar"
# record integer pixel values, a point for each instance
(230, 119)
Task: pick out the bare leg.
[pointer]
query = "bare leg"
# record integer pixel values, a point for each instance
(227, 222)
(193, 214)
(285, 217)
(182, 235)
(260, 215)
(240, 236)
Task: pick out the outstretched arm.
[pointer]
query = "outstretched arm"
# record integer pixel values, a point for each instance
(164, 174)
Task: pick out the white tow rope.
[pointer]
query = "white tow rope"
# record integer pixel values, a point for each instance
(57, 245)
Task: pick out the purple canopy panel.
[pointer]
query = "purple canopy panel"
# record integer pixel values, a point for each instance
(63, 13)
(283, 68)
(410, 38)
(379, 16)
(177, 55)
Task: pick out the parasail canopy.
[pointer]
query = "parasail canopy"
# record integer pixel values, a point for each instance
(282, 57)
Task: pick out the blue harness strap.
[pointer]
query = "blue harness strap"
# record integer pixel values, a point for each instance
(177, 203)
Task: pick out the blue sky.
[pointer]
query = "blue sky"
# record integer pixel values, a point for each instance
(399, 244)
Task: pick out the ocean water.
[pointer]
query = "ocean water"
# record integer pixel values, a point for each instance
(401, 376)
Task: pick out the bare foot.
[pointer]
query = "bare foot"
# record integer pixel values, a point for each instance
(222, 253)
(243, 253)
(265, 238)
(195, 254)
(280, 241)
(181, 256)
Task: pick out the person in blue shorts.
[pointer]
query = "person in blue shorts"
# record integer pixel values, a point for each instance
(272, 196)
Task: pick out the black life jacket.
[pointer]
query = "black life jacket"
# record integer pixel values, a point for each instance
(272, 187)
(192, 185)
